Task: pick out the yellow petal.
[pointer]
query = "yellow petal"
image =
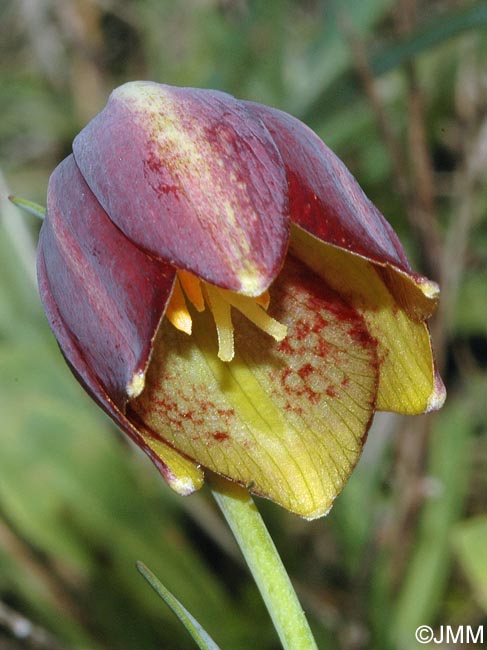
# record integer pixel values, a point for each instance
(408, 381)
(288, 419)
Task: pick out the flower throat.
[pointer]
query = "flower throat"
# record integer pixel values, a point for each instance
(200, 294)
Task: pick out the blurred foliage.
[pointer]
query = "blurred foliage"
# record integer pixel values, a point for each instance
(405, 543)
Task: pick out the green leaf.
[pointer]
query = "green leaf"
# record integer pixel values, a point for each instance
(450, 453)
(29, 206)
(471, 312)
(439, 30)
(327, 59)
(344, 90)
(69, 488)
(199, 635)
(469, 543)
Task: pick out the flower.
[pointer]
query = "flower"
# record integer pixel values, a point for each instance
(222, 287)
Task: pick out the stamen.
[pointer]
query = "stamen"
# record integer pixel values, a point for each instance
(249, 308)
(223, 321)
(177, 311)
(192, 288)
(220, 302)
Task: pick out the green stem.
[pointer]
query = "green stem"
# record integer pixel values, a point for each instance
(265, 564)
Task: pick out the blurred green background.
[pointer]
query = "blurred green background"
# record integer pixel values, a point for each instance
(399, 90)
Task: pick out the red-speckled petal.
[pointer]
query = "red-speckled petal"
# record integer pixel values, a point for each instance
(110, 295)
(326, 201)
(192, 177)
(408, 379)
(287, 419)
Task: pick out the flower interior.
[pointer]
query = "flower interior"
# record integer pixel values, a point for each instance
(200, 294)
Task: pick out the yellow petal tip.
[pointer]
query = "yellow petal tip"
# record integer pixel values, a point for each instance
(136, 385)
(184, 486)
(430, 289)
(437, 397)
(318, 513)
(251, 283)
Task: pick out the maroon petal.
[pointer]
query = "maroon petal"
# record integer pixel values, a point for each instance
(182, 475)
(326, 201)
(109, 294)
(192, 177)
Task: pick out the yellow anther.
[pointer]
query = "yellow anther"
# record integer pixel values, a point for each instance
(177, 311)
(192, 288)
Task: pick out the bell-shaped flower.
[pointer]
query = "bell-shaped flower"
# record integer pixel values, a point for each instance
(220, 284)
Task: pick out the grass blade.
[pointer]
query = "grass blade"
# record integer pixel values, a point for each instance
(29, 206)
(344, 90)
(199, 635)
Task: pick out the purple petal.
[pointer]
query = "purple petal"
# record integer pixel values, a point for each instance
(324, 197)
(326, 201)
(109, 294)
(192, 177)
